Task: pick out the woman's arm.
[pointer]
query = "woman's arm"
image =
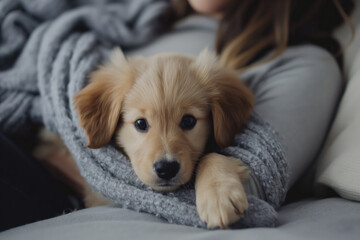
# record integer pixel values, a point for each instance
(297, 95)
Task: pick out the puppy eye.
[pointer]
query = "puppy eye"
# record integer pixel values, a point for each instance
(188, 122)
(141, 125)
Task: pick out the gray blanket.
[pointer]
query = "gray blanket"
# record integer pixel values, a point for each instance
(47, 50)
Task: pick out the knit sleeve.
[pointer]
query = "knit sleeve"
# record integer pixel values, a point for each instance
(259, 147)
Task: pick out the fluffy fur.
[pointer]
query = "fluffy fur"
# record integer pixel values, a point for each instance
(162, 89)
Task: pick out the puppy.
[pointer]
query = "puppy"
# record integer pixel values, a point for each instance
(163, 111)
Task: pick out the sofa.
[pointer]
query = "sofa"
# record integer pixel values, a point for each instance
(323, 205)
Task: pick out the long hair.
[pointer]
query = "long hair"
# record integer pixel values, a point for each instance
(251, 28)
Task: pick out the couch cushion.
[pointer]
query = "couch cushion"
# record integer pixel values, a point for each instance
(332, 218)
(339, 162)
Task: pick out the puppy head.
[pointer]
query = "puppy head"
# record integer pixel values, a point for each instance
(162, 110)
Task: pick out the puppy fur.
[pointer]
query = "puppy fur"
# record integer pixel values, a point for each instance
(163, 89)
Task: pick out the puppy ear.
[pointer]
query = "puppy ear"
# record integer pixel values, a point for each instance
(231, 108)
(99, 103)
(231, 101)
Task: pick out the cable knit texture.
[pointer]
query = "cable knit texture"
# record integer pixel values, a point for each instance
(47, 50)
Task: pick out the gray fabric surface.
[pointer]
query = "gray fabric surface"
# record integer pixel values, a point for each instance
(330, 219)
(46, 69)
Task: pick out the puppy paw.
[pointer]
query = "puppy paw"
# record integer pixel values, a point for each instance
(220, 196)
(94, 199)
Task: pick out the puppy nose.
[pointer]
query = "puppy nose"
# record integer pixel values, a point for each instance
(166, 170)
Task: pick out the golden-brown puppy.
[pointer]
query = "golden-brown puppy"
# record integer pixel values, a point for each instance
(162, 111)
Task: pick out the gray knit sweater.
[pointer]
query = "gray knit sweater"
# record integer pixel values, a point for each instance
(48, 48)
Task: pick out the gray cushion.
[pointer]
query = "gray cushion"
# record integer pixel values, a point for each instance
(331, 218)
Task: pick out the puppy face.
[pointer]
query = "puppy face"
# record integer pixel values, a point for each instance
(162, 111)
(174, 112)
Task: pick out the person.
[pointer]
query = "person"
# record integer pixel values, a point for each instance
(282, 49)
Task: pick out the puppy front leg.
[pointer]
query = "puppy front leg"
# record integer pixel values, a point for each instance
(220, 196)
(55, 156)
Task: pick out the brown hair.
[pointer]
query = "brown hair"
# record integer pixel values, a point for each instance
(250, 28)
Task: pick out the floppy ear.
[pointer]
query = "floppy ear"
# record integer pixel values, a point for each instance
(231, 101)
(99, 103)
(231, 108)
